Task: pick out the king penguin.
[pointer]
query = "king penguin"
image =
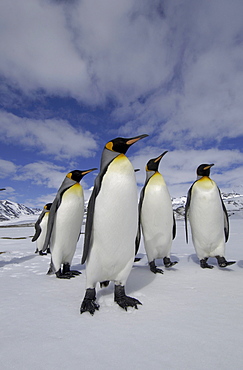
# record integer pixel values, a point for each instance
(64, 224)
(156, 217)
(208, 219)
(111, 225)
(40, 229)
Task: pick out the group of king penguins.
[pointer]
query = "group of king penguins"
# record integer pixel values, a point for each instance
(115, 222)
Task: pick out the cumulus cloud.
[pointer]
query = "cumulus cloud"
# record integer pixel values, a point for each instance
(179, 167)
(174, 66)
(42, 173)
(172, 69)
(7, 168)
(51, 136)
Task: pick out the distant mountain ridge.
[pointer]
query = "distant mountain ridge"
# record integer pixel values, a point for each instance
(10, 210)
(233, 203)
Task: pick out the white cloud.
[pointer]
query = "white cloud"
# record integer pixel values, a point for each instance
(7, 168)
(173, 62)
(179, 167)
(42, 173)
(51, 136)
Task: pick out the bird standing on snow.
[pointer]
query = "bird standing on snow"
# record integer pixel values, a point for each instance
(111, 225)
(40, 229)
(156, 217)
(64, 224)
(208, 219)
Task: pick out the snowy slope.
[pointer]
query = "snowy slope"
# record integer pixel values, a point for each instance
(10, 210)
(191, 319)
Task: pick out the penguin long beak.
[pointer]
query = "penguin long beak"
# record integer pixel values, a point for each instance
(135, 139)
(160, 157)
(88, 171)
(209, 166)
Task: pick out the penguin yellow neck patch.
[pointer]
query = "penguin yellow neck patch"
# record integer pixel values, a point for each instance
(206, 182)
(120, 157)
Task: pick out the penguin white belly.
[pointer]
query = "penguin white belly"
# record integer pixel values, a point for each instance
(157, 218)
(207, 219)
(114, 225)
(67, 226)
(40, 241)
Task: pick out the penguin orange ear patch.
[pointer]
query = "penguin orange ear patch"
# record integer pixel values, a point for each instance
(69, 175)
(109, 145)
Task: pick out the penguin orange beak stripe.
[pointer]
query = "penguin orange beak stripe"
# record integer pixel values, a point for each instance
(88, 171)
(135, 139)
(209, 166)
(161, 156)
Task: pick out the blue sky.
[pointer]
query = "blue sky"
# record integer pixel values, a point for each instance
(75, 74)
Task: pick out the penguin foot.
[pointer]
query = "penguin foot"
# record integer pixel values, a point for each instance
(223, 263)
(89, 303)
(155, 269)
(168, 262)
(204, 264)
(42, 253)
(104, 283)
(66, 270)
(123, 300)
(60, 275)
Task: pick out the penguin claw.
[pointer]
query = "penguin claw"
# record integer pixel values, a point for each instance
(155, 269)
(227, 263)
(89, 305)
(123, 300)
(60, 275)
(223, 263)
(74, 273)
(204, 264)
(64, 276)
(127, 301)
(171, 264)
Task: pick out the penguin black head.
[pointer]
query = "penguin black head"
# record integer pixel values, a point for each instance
(121, 144)
(77, 175)
(48, 206)
(204, 169)
(153, 164)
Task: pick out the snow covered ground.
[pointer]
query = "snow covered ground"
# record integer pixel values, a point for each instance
(190, 318)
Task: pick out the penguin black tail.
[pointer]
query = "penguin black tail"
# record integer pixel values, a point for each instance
(104, 284)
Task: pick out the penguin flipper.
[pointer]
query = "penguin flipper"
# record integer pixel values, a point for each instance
(174, 227)
(37, 227)
(50, 223)
(37, 232)
(138, 237)
(187, 206)
(66, 184)
(226, 220)
(90, 215)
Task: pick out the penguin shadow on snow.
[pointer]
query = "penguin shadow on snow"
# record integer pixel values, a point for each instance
(137, 279)
(16, 260)
(79, 267)
(240, 264)
(211, 260)
(140, 276)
